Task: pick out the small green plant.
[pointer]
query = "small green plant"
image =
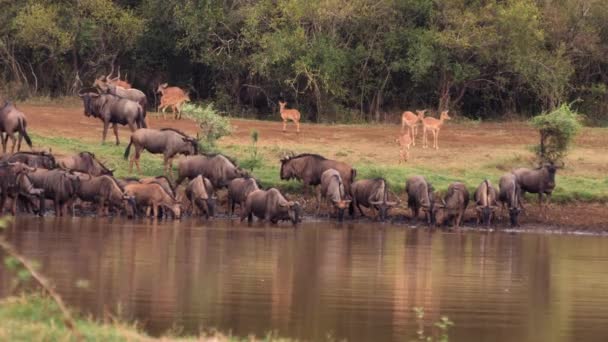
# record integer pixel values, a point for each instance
(212, 125)
(254, 160)
(557, 131)
(443, 325)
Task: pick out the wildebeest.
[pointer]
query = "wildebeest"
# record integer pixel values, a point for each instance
(202, 200)
(371, 193)
(163, 181)
(172, 97)
(59, 185)
(14, 182)
(110, 87)
(272, 206)
(104, 191)
(454, 204)
(219, 169)
(309, 167)
(113, 110)
(168, 141)
(43, 160)
(486, 198)
(420, 196)
(539, 181)
(153, 196)
(84, 162)
(238, 190)
(509, 195)
(13, 121)
(332, 189)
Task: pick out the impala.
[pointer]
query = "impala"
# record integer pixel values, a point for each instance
(411, 120)
(433, 125)
(289, 114)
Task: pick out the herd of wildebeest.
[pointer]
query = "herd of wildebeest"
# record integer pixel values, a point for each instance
(81, 183)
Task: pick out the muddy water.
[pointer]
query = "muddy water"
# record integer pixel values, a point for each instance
(356, 282)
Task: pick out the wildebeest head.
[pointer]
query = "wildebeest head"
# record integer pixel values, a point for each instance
(293, 211)
(88, 96)
(176, 208)
(18, 167)
(192, 146)
(487, 213)
(341, 205)
(92, 165)
(550, 169)
(383, 207)
(514, 216)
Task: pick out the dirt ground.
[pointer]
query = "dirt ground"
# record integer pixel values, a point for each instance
(477, 143)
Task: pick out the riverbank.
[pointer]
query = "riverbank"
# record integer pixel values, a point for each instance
(470, 152)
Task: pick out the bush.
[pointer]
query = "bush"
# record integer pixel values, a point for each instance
(212, 125)
(254, 160)
(557, 131)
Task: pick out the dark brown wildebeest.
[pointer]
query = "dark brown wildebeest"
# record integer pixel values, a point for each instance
(309, 167)
(202, 200)
(104, 191)
(420, 196)
(219, 169)
(486, 198)
(454, 204)
(84, 162)
(371, 193)
(238, 190)
(168, 141)
(332, 189)
(132, 94)
(59, 185)
(13, 121)
(272, 206)
(509, 195)
(14, 182)
(113, 110)
(43, 160)
(539, 181)
(153, 196)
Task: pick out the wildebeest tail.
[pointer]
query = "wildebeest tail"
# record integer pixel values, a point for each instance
(353, 174)
(128, 149)
(22, 131)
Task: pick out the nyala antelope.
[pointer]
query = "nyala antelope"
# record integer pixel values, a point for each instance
(289, 114)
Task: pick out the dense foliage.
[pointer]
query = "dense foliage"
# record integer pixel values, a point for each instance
(557, 131)
(333, 59)
(212, 126)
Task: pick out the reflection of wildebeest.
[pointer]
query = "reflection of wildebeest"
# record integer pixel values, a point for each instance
(371, 193)
(84, 162)
(153, 196)
(539, 181)
(270, 205)
(13, 121)
(59, 185)
(309, 167)
(104, 191)
(238, 190)
(332, 189)
(485, 200)
(454, 204)
(420, 196)
(509, 195)
(112, 110)
(14, 182)
(199, 192)
(168, 141)
(219, 169)
(34, 159)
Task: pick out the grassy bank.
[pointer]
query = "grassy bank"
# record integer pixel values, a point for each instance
(572, 186)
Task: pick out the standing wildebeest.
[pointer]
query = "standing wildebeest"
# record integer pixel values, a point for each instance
(371, 193)
(537, 181)
(202, 200)
(13, 120)
(43, 160)
(309, 167)
(272, 206)
(112, 110)
(420, 196)
(14, 181)
(59, 185)
(84, 162)
(102, 190)
(172, 97)
(509, 194)
(332, 189)
(219, 169)
(135, 95)
(168, 141)
(238, 190)
(486, 198)
(153, 196)
(454, 204)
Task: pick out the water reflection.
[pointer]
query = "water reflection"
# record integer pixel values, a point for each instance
(354, 281)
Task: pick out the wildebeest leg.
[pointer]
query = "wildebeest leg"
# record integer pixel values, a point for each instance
(318, 191)
(137, 155)
(105, 132)
(115, 128)
(14, 142)
(360, 210)
(19, 142)
(131, 127)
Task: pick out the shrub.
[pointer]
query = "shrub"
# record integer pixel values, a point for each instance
(254, 160)
(212, 126)
(557, 131)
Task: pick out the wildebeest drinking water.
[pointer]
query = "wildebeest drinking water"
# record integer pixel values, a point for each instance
(486, 198)
(332, 189)
(219, 169)
(113, 110)
(14, 181)
(59, 185)
(168, 141)
(272, 206)
(420, 196)
(371, 193)
(13, 121)
(104, 191)
(153, 196)
(309, 167)
(454, 204)
(199, 192)
(509, 195)
(84, 162)
(238, 190)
